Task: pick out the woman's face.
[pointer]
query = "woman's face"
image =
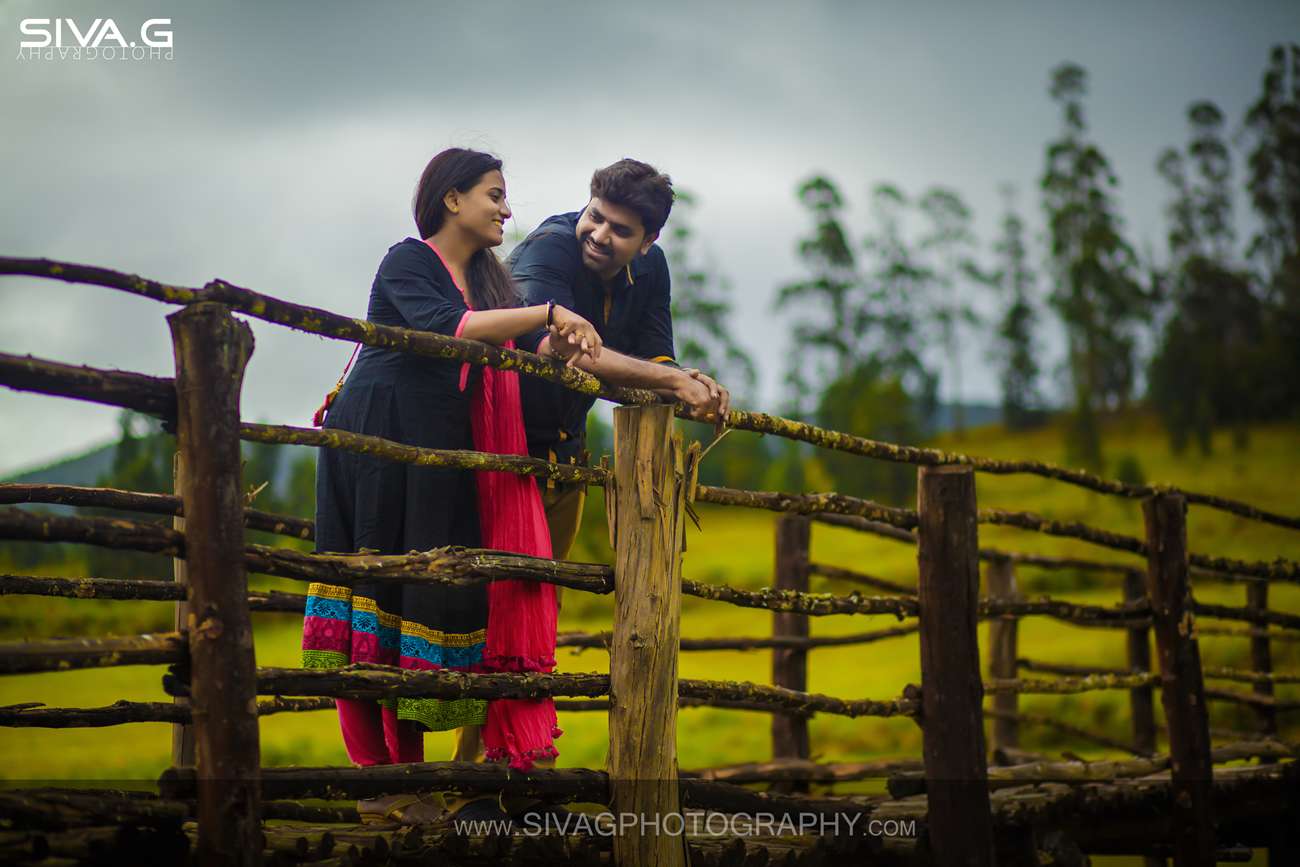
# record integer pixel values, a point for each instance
(481, 213)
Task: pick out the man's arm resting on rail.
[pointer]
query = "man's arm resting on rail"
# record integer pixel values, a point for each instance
(665, 380)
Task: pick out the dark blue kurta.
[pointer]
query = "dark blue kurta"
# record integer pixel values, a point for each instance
(392, 508)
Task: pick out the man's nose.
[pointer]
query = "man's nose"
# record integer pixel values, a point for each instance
(600, 237)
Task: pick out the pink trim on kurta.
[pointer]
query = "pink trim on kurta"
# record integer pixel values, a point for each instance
(460, 327)
(464, 368)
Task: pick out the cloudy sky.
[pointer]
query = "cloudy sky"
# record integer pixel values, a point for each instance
(280, 147)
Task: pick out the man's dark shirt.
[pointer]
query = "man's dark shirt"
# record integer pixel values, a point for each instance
(631, 316)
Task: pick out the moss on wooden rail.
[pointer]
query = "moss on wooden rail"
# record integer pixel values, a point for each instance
(150, 395)
(65, 654)
(601, 640)
(37, 715)
(452, 566)
(1070, 685)
(364, 444)
(808, 504)
(815, 604)
(995, 555)
(908, 783)
(136, 501)
(1124, 615)
(364, 681)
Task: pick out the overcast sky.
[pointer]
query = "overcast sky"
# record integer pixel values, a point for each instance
(280, 147)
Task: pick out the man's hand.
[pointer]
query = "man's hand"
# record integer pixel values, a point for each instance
(718, 392)
(699, 400)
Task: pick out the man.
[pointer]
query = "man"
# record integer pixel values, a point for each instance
(603, 263)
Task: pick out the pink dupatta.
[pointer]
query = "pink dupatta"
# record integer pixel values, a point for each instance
(522, 615)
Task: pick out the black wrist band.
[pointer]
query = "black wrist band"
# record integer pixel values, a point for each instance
(550, 313)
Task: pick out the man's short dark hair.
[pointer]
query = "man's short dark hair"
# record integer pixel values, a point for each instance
(637, 186)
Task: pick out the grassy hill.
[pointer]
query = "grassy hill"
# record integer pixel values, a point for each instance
(735, 546)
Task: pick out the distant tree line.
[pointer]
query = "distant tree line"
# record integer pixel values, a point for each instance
(1211, 331)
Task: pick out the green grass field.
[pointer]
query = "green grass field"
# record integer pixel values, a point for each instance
(736, 546)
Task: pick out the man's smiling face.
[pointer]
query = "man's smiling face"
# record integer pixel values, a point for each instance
(610, 237)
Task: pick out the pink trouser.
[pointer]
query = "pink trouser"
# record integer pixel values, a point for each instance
(373, 735)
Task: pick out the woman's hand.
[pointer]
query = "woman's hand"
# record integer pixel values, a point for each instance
(572, 336)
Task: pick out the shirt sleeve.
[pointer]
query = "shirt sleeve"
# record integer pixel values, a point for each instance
(655, 337)
(421, 294)
(544, 269)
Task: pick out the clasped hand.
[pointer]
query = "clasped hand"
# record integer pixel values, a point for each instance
(572, 337)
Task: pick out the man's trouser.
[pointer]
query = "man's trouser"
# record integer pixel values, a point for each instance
(563, 505)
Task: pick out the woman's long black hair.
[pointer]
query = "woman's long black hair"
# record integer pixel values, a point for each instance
(490, 286)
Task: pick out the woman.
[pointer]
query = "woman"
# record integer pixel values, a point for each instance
(449, 283)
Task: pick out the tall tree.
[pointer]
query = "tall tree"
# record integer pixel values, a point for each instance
(702, 308)
(897, 300)
(825, 329)
(949, 243)
(1016, 352)
(1206, 363)
(856, 363)
(1099, 298)
(1272, 126)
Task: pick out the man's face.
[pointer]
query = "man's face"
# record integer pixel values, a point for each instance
(611, 236)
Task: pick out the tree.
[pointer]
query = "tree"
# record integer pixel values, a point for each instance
(1015, 351)
(701, 309)
(857, 335)
(1100, 301)
(950, 243)
(1204, 371)
(1272, 125)
(825, 334)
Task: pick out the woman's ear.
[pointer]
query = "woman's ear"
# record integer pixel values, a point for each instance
(452, 201)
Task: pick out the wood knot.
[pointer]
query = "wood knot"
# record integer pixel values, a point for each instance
(210, 628)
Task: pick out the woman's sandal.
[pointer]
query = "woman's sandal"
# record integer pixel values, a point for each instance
(402, 810)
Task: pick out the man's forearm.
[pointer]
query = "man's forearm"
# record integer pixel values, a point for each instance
(622, 369)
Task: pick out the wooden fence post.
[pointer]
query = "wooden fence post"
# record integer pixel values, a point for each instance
(1000, 578)
(1141, 700)
(1261, 659)
(1182, 690)
(789, 664)
(182, 733)
(956, 765)
(648, 531)
(212, 350)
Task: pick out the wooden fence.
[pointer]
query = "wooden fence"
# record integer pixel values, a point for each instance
(961, 810)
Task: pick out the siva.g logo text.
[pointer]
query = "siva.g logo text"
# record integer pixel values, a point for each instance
(100, 39)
